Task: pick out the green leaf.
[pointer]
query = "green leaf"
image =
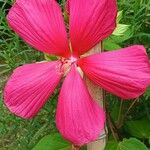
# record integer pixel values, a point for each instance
(147, 93)
(119, 39)
(52, 142)
(83, 148)
(50, 57)
(115, 110)
(109, 44)
(111, 145)
(132, 144)
(66, 17)
(119, 16)
(138, 128)
(126, 144)
(121, 29)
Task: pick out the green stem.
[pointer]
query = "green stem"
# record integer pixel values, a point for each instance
(111, 124)
(131, 106)
(113, 128)
(147, 110)
(127, 112)
(120, 113)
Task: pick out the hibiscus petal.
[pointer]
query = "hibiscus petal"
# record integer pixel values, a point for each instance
(30, 86)
(40, 24)
(79, 118)
(90, 22)
(125, 73)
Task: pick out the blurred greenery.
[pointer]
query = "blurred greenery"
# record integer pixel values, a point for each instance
(128, 116)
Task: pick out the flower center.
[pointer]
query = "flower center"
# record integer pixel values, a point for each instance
(73, 59)
(69, 60)
(66, 64)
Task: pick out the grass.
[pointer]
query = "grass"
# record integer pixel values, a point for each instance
(20, 134)
(137, 14)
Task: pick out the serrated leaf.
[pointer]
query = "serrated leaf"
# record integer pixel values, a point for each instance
(121, 29)
(126, 144)
(52, 142)
(138, 128)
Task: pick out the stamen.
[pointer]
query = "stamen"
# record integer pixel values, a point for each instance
(66, 64)
(73, 59)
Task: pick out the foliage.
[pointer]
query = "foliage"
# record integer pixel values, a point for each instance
(128, 118)
(52, 142)
(141, 128)
(126, 144)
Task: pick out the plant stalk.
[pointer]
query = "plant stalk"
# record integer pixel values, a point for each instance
(111, 124)
(120, 123)
(97, 94)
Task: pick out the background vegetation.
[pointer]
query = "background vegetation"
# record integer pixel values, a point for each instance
(128, 122)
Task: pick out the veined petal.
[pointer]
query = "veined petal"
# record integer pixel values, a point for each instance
(79, 118)
(30, 86)
(125, 73)
(40, 24)
(90, 22)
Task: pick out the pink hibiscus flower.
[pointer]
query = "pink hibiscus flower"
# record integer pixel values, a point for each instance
(125, 73)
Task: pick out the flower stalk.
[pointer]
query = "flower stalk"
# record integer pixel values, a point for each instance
(98, 94)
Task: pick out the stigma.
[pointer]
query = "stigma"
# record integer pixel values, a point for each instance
(67, 63)
(73, 59)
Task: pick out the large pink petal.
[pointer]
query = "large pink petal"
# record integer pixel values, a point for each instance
(90, 22)
(40, 23)
(78, 118)
(30, 86)
(125, 73)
